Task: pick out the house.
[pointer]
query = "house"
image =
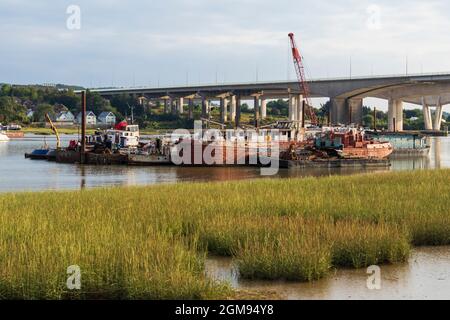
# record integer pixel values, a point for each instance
(91, 118)
(60, 108)
(29, 104)
(30, 113)
(107, 118)
(65, 117)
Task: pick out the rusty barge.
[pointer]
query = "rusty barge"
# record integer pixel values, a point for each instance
(122, 145)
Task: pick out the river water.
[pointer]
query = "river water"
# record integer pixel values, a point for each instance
(426, 276)
(20, 174)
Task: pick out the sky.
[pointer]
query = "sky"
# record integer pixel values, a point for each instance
(178, 42)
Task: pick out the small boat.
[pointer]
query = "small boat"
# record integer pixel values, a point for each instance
(44, 153)
(3, 137)
(38, 154)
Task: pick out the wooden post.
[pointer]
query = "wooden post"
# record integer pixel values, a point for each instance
(83, 128)
(375, 119)
(303, 113)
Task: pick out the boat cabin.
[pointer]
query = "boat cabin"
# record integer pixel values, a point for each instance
(127, 138)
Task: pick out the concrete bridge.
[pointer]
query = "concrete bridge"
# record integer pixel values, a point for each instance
(346, 95)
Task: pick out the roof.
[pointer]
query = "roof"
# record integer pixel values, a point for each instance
(105, 114)
(284, 125)
(64, 113)
(87, 113)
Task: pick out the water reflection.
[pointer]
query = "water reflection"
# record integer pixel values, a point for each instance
(426, 276)
(18, 174)
(437, 153)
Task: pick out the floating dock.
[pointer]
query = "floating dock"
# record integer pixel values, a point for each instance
(405, 144)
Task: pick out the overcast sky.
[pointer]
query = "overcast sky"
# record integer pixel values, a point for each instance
(126, 43)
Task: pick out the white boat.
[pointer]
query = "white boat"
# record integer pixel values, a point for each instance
(128, 138)
(3, 137)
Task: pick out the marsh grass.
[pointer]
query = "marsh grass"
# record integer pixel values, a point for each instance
(151, 242)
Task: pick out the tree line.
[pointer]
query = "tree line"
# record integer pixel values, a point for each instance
(16, 101)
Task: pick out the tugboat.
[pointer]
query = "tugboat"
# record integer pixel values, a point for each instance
(124, 135)
(352, 143)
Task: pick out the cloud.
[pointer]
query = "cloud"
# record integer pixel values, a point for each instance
(124, 42)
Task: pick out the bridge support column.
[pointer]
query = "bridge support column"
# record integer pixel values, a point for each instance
(166, 106)
(339, 111)
(427, 115)
(399, 116)
(355, 111)
(256, 107)
(395, 115)
(263, 108)
(438, 116)
(238, 111)
(223, 110)
(292, 107)
(205, 107)
(191, 109)
(174, 106)
(233, 108)
(180, 106)
(299, 110)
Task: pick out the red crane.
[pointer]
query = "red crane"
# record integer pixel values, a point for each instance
(300, 70)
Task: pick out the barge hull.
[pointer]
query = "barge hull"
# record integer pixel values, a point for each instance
(15, 135)
(72, 157)
(340, 163)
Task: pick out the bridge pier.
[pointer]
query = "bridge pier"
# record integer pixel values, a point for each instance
(233, 108)
(263, 108)
(355, 111)
(174, 106)
(205, 107)
(299, 110)
(223, 110)
(180, 106)
(166, 106)
(427, 115)
(238, 111)
(292, 107)
(191, 109)
(395, 115)
(256, 109)
(339, 111)
(438, 116)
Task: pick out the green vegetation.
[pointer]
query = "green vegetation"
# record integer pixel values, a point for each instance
(48, 131)
(11, 111)
(15, 101)
(151, 242)
(413, 119)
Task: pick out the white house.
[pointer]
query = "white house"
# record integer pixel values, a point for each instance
(91, 118)
(107, 118)
(30, 114)
(65, 116)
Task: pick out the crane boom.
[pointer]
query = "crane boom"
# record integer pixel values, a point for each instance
(300, 71)
(52, 126)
